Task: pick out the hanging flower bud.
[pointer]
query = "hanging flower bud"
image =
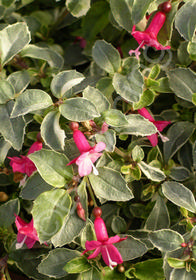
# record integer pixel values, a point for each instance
(80, 211)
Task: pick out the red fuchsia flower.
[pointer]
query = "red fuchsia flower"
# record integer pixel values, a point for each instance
(88, 154)
(26, 233)
(23, 164)
(149, 36)
(104, 245)
(160, 125)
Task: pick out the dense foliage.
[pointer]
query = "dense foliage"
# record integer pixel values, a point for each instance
(90, 123)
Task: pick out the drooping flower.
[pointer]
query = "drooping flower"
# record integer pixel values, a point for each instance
(26, 233)
(160, 125)
(148, 37)
(88, 154)
(104, 245)
(23, 164)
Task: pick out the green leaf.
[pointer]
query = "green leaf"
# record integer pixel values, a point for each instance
(97, 98)
(139, 9)
(49, 212)
(96, 20)
(73, 225)
(78, 109)
(159, 216)
(185, 20)
(78, 8)
(122, 12)
(179, 195)
(92, 274)
(106, 56)
(163, 86)
(64, 81)
(131, 248)
(166, 240)
(182, 82)
(137, 125)
(34, 186)
(54, 59)
(149, 270)
(110, 185)
(192, 49)
(12, 129)
(114, 118)
(6, 91)
(146, 99)
(178, 135)
(179, 173)
(7, 211)
(19, 80)
(52, 265)
(77, 265)
(129, 86)
(183, 55)
(4, 148)
(176, 263)
(52, 166)
(152, 173)
(88, 233)
(109, 138)
(13, 39)
(182, 274)
(154, 72)
(118, 224)
(111, 274)
(29, 101)
(28, 260)
(51, 131)
(137, 153)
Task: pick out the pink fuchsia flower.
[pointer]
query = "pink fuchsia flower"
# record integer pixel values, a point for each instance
(160, 125)
(104, 245)
(23, 164)
(82, 41)
(149, 36)
(26, 233)
(88, 154)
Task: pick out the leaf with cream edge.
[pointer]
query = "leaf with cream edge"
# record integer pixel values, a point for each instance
(52, 166)
(78, 8)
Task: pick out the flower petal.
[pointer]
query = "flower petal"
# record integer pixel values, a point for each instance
(153, 139)
(160, 125)
(18, 163)
(91, 245)
(81, 141)
(95, 253)
(99, 147)
(35, 147)
(84, 165)
(30, 242)
(20, 223)
(100, 229)
(144, 112)
(114, 254)
(114, 239)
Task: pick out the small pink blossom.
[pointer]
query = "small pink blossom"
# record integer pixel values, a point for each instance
(104, 245)
(26, 233)
(149, 36)
(160, 125)
(82, 41)
(23, 164)
(88, 154)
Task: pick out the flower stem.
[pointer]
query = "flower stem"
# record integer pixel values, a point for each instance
(91, 191)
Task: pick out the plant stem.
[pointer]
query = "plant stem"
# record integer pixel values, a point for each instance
(91, 192)
(7, 274)
(120, 153)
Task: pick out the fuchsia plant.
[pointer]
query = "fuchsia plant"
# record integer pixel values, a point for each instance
(23, 164)
(26, 233)
(148, 37)
(88, 154)
(104, 244)
(160, 125)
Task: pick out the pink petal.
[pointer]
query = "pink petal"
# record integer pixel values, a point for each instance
(20, 223)
(35, 147)
(114, 239)
(94, 156)
(114, 254)
(144, 112)
(81, 141)
(160, 125)
(100, 229)
(73, 161)
(18, 163)
(156, 24)
(20, 237)
(30, 242)
(29, 167)
(84, 165)
(91, 245)
(99, 147)
(95, 253)
(153, 139)
(104, 127)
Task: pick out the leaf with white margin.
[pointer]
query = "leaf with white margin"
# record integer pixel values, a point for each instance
(152, 173)
(51, 131)
(13, 39)
(179, 195)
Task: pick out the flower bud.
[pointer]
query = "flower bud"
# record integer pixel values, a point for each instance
(80, 211)
(97, 212)
(165, 7)
(74, 126)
